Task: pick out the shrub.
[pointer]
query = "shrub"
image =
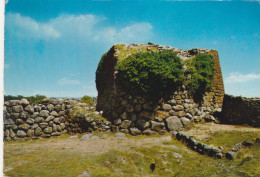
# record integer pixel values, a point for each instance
(87, 99)
(150, 73)
(200, 73)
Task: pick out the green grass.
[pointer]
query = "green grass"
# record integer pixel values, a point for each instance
(39, 160)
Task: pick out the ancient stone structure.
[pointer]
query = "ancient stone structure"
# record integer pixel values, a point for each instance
(51, 118)
(240, 110)
(137, 114)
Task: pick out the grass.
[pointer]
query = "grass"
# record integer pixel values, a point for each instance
(44, 157)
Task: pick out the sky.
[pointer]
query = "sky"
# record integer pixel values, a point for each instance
(53, 47)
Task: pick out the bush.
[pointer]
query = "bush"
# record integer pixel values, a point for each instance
(150, 73)
(200, 73)
(87, 99)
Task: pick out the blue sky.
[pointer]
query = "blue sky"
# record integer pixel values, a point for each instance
(53, 47)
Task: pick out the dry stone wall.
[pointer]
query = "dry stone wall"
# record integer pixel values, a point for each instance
(240, 110)
(51, 118)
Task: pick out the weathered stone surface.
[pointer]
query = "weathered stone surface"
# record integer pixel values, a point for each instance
(19, 121)
(54, 113)
(30, 133)
(62, 125)
(58, 128)
(178, 108)
(124, 131)
(173, 123)
(24, 126)
(230, 155)
(142, 124)
(55, 134)
(49, 118)
(156, 126)
(21, 133)
(37, 108)
(17, 109)
(30, 121)
(56, 120)
(48, 130)
(50, 107)
(124, 115)
(39, 120)
(161, 115)
(135, 131)
(166, 107)
(54, 127)
(44, 125)
(38, 131)
(14, 115)
(29, 109)
(14, 102)
(186, 122)
(12, 134)
(125, 124)
(35, 114)
(44, 113)
(34, 126)
(61, 113)
(149, 132)
(58, 107)
(54, 101)
(24, 101)
(23, 115)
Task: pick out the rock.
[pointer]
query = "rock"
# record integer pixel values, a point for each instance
(124, 131)
(56, 120)
(135, 131)
(23, 115)
(230, 155)
(54, 101)
(142, 124)
(29, 109)
(14, 102)
(7, 133)
(166, 107)
(37, 108)
(257, 140)
(39, 120)
(38, 131)
(50, 107)
(178, 108)
(156, 126)
(34, 126)
(49, 118)
(172, 102)
(149, 132)
(177, 155)
(54, 113)
(46, 100)
(58, 128)
(86, 137)
(186, 122)
(54, 127)
(17, 109)
(147, 115)
(125, 124)
(30, 132)
(114, 128)
(12, 134)
(19, 121)
(44, 125)
(24, 126)
(161, 115)
(117, 121)
(14, 115)
(44, 113)
(55, 134)
(247, 144)
(73, 137)
(219, 155)
(24, 101)
(30, 121)
(35, 114)
(62, 125)
(120, 136)
(173, 123)
(58, 107)
(48, 130)
(61, 113)
(237, 147)
(21, 133)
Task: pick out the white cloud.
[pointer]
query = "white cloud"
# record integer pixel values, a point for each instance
(84, 27)
(65, 81)
(238, 77)
(25, 27)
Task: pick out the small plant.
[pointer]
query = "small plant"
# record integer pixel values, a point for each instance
(199, 74)
(150, 73)
(87, 99)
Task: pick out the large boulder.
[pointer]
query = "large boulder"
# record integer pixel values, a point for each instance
(173, 123)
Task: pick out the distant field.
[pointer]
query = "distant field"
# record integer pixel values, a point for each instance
(108, 155)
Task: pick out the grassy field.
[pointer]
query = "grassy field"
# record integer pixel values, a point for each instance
(111, 156)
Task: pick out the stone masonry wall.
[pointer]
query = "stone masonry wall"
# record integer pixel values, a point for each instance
(51, 118)
(119, 105)
(240, 110)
